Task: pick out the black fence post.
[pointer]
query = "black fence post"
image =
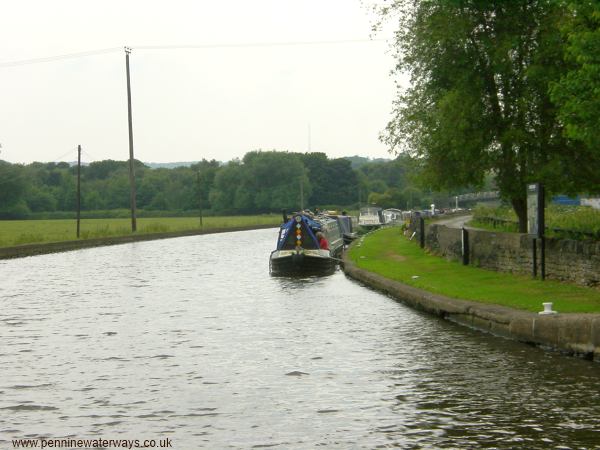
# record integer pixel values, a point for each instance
(421, 232)
(542, 230)
(465, 246)
(534, 254)
(543, 257)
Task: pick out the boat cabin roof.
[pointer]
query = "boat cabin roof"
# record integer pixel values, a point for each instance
(370, 210)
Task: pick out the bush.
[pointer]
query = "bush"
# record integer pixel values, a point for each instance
(15, 212)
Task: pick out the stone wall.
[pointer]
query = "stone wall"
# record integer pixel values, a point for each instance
(567, 260)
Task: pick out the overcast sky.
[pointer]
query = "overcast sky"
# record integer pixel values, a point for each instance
(190, 104)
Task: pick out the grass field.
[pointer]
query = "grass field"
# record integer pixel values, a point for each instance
(562, 221)
(16, 232)
(388, 253)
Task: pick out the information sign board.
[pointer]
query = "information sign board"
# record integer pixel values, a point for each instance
(535, 209)
(532, 209)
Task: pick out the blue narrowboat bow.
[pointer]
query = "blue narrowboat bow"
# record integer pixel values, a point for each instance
(298, 250)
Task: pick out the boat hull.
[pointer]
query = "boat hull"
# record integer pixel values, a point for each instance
(349, 237)
(370, 226)
(316, 262)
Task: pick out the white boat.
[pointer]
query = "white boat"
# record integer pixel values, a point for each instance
(392, 215)
(370, 217)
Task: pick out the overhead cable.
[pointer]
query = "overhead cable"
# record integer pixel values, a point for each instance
(252, 44)
(24, 62)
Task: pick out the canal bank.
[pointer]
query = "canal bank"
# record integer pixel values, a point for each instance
(571, 333)
(20, 251)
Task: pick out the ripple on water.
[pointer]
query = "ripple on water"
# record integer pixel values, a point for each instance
(24, 407)
(32, 386)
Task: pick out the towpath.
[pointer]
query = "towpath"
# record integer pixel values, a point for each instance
(455, 221)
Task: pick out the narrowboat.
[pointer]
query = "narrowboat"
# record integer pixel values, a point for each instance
(345, 224)
(298, 250)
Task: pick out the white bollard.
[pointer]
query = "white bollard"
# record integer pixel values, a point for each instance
(547, 309)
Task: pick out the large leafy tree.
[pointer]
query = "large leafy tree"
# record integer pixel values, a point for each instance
(578, 91)
(222, 195)
(206, 172)
(13, 188)
(333, 181)
(479, 95)
(272, 181)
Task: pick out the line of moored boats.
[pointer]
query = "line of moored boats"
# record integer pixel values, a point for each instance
(312, 243)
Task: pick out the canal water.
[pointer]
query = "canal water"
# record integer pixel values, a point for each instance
(191, 339)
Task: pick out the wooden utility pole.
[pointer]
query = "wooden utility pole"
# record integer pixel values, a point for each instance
(78, 190)
(131, 160)
(199, 196)
(302, 192)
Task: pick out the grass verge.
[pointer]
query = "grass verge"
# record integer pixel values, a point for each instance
(17, 232)
(562, 221)
(388, 253)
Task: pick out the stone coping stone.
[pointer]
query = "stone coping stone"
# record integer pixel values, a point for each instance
(20, 251)
(572, 333)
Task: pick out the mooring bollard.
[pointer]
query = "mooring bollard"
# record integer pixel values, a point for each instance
(547, 309)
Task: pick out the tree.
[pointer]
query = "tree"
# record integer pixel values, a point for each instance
(104, 169)
(227, 179)
(413, 197)
(155, 182)
(479, 100)
(13, 190)
(316, 166)
(13, 184)
(274, 178)
(333, 181)
(40, 200)
(577, 93)
(343, 181)
(206, 172)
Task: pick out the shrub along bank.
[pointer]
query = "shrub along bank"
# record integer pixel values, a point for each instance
(388, 253)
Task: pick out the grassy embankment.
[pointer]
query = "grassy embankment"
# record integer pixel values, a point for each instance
(388, 253)
(17, 232)
(562, 221)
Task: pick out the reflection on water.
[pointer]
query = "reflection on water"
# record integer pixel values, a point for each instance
(192, 339)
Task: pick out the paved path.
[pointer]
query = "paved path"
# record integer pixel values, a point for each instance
(455, 222)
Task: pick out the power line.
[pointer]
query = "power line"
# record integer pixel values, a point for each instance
(254, 44)
(24, 62)
(63, 155)
(95, 158)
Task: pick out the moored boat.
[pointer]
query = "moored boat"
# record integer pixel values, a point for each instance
(298, 250)
(345, 224)
(392, 216)
(370, 217)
